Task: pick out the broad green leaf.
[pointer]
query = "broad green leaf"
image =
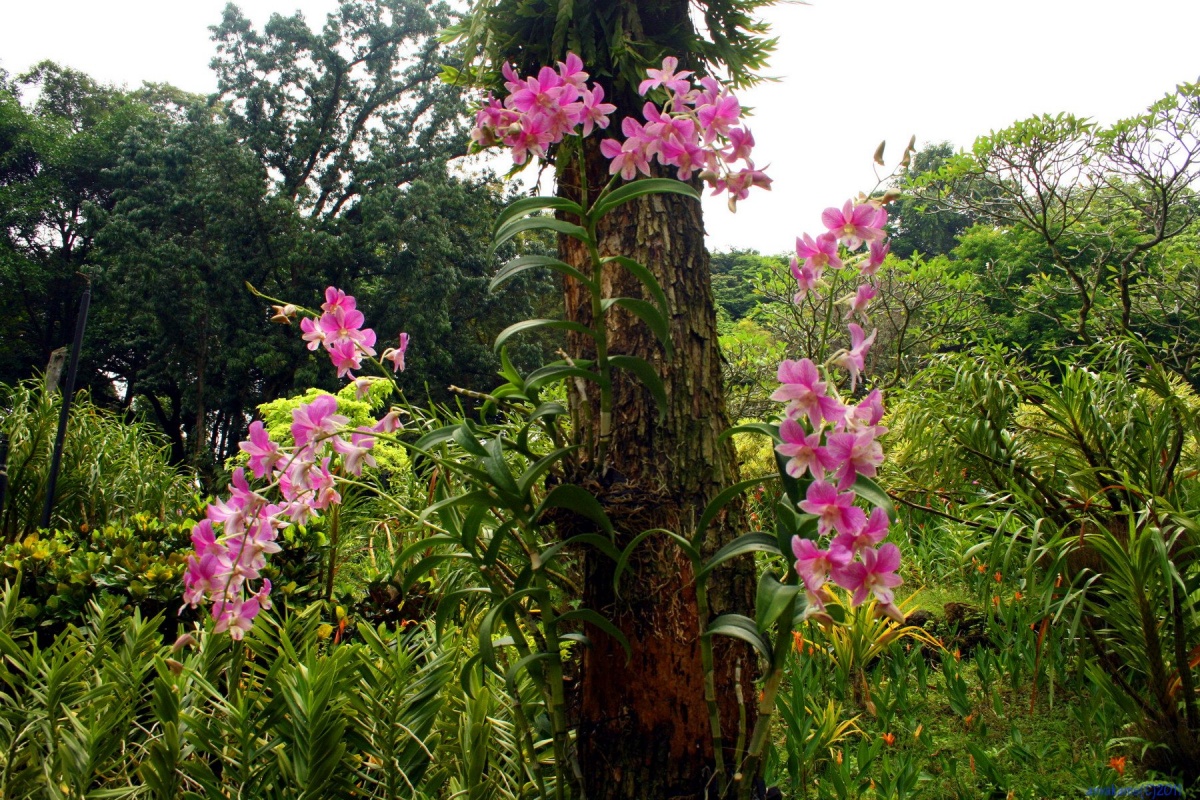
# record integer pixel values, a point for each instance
(515, 227)
(798, 524)
(649, 314)
(647, 278)
(623, 562)
(552, 373)
(530, 476)
(772, 600)
(435, 437)
(426, 565)
(532, 324)
(746, 543)
(510, 677)
(465, 438)
(640, 188)
(468, 498)
(720, 501)
(601, 543)
(577, 499)
(450, 603)
(486, 644)
(646, 373)
(508, 371)
(589, 616)
(870, 491)
(423, 544)
(740, 627)
(754, 427)
(527, 205)
(520, 264)
(498, 471)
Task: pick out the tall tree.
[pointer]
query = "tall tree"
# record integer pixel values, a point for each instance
(1107, 215)
(334, 113)
(54, 160)
(642, 730)
(918, 228)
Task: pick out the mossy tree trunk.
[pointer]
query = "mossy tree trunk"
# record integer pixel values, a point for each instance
(643, 728)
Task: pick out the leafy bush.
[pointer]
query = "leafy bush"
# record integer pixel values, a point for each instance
(135, 565)
(107, 706)
(111, 469)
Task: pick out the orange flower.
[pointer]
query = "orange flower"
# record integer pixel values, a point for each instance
(1017, 595)
(1058, 581)
(798, 641)
(889, 739)
(998, 576)
(996, 600)
(982, 568)
(970, 718)
(957, 654)
(1117, 763)
(837, 754)
(917, 732)
(972, 761)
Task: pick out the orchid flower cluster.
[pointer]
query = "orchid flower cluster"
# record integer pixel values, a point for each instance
(238, 533)
(539, 111)
(834, 442)
(339, 330)
(698, 129)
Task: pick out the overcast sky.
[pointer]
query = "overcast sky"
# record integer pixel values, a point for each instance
(851, 72)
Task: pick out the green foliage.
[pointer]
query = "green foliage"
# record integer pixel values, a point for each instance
(1085, 482)
(55, 160)
(111, 470)
(617, 41)
(918, 227)
(736, 276)
(1098, 226)
(171, 203)
(287, 713)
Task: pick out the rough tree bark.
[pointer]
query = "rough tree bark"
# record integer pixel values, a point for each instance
(643, 727)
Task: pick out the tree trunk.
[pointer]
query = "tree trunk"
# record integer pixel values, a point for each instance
(643, 729)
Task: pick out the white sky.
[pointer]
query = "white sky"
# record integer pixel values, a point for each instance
(852, 72)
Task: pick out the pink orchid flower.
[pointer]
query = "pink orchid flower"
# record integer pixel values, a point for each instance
(804, 452)
(264, 454)
(595, 110)
(875, 258)
(815, 566)
(875, 574)
(854, 360)
(853, 224)
(666, 77)
(867, 414)
(862, 298)
(818, 253)
(856, 454)
(874, 532)
(318, 417)
(807, 279)
(834, 511)
(236, 617)
(804, 392)
(396, 354)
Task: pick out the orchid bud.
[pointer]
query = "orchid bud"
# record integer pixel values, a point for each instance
(283, 314)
